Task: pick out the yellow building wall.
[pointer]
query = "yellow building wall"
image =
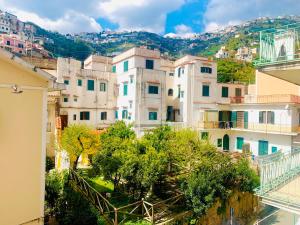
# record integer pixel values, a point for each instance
(269, 85)
(22, 162)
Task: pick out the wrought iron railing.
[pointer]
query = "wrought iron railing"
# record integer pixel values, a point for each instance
(277, 169)
(279, 45)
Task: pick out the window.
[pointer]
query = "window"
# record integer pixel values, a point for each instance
(125, 66)
(102, 87)
(149, 64)
(274, 149)
(103, 116)
(219, 142)
(178, 91)
(7, 42)
(170, 92)
(116, 114)
(152, 115)
(239, 143)
(131, 79)
(225, 92)
(66, 82)
(205, 90)
(125, 89)
(74, 117)
(124, 114)
(262, 117)
(179, 71)
(85, 115)
(270, 117)
(75, 99)
(171, 74)
(79, 82)
(181, 94)
(66, 99)
(90, 85)
(263, 147)
(153, 89)
(206, 69)
(204, 135)
(114, 69)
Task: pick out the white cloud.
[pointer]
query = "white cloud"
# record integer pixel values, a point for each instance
(69, 23)
(181, 31)
(78, 15)
(147, 15)
(221, 13)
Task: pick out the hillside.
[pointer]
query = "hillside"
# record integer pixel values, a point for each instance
(81, 45)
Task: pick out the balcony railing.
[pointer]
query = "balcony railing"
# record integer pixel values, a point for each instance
(261, 127)
(280, 98)
(279, 45)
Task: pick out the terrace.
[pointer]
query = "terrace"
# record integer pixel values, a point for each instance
(266, 99)
(280, 52)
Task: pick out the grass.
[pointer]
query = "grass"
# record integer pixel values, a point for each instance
(101, 185)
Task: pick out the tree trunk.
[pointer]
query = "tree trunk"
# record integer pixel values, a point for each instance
(75, 163)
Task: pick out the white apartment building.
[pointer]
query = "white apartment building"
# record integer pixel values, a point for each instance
(223, 53)
(146, 90)
(90, 95)
(244, 54)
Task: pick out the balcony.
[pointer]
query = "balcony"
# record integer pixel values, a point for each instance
(280, 52)
(245, 126)
(265, 99)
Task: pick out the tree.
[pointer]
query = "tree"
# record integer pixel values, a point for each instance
(231, 70)
(117, 139)
(79, 139)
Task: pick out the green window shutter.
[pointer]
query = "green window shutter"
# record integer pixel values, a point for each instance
(246, 120)
(239, 143)
(91, 85)
(79, 82)
(125, 66)
(153, 89)
(124, 114)
(152, 115)
(114, 68)
(234, 118)
(178, 91)
(205, 90)
(262, 117)
(262, 147)
(116, 114)
(219, 142)
(204, 135)
(149, 64)
(66, 82)
(274, 149)
(225, 92)
(125, 89)
(66, 99)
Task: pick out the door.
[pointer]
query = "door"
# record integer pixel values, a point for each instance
(170, 114)
(263, 147)
(226, 142)
(238, 94)
(64, 121)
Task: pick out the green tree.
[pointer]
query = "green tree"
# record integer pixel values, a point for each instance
(117, 139)
(79, 139)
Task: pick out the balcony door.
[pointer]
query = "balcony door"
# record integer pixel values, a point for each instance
(263, 147)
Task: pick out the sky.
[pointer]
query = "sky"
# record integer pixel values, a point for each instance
(174, 17)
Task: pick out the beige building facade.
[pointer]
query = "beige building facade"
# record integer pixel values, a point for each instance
(23, 116)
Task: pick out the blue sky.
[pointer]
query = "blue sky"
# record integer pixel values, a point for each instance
(179, 17)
